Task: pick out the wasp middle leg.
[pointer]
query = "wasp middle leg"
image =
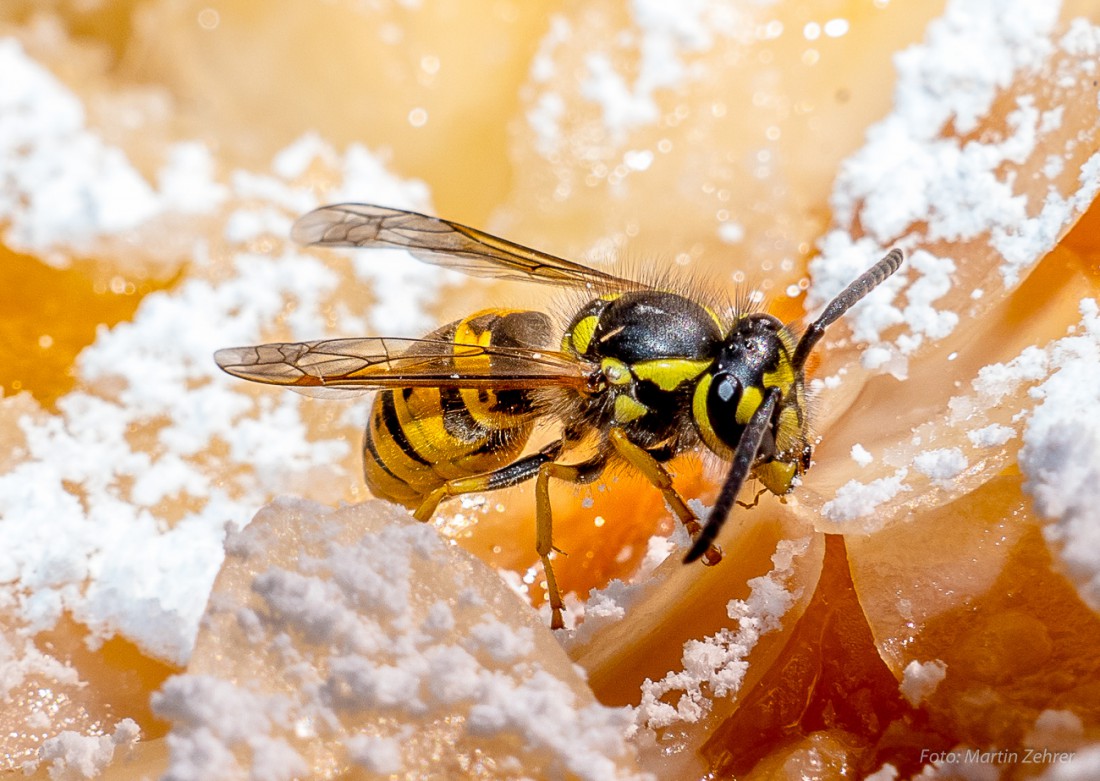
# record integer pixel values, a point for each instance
(644, 462)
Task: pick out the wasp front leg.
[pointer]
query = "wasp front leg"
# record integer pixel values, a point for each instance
(649, 466)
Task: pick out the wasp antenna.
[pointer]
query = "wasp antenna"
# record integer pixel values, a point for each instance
(743, 459)
(849, 297)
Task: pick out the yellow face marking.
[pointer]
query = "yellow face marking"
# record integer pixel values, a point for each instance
(669, 373)
(749, 403)
(582, 333)
(616, 372)
(782, 377)
(626, 409)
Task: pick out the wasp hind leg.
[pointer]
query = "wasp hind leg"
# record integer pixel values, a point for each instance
(505, 477)
(538, 465)
(649, 466)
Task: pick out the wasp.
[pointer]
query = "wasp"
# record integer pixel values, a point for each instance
(639, 375)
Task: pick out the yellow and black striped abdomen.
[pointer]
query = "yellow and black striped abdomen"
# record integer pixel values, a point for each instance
(419, 438)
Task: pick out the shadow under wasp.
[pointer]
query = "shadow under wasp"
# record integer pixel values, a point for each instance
(640, 374)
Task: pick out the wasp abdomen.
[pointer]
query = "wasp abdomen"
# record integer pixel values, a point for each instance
(419, 438)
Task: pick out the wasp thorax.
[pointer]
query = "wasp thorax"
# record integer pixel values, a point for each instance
(643, 326)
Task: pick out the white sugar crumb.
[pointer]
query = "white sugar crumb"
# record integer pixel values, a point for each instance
(377, 755)
(1060, 439)
(602, 607)
(1055, 729)
(998, 380)
(1084, 765)
(993, 435)
(933, 283)
(106, 461)
(502, 643)
(885, 773)
(1058, 456)
(625, 106)
(922, 176)
(661, 42)
(1025, 242)
(221, 730)
(919, 680)
(941, 464)
(667, 36)
(860, 455)
(857, 500)
(295, 160)
(990, 48)
(71, 756)
(246, 225)
(884, 358)
(1052, 119)
(66, 187)
(1053, 166)
(440, 619)
(338, 666)
(715, 667)
(63, 185)
(187, 180)
(547, 109)
(609, 605)
(657, 549)
(906, 173)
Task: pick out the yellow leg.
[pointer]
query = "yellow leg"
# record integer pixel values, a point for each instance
(658, 475)
(544, 531)
(512, 474)
(537, 465)
(431, 502)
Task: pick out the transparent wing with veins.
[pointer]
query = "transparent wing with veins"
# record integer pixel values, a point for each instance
(446, 243)
(337, 368)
